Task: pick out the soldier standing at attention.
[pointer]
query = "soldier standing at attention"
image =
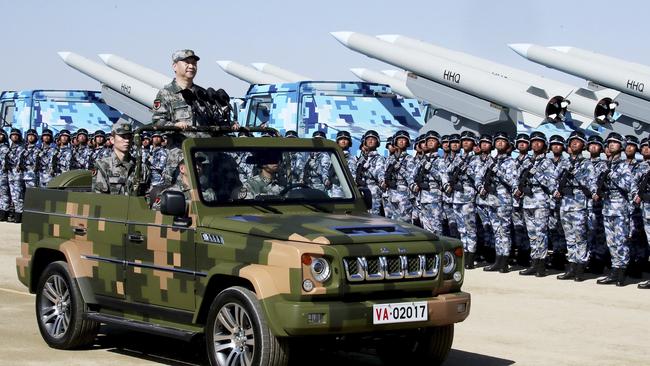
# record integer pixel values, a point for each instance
(157, 160)
(447, 198)
(496, 184)
(15, 168)
(4, 178)
(46, 158)
(420, 152)
(63, 156)
(643, 198)
(536, 184)
(398, 177)
(316, 171)
(485, 160)
(598, 252)
(460, 180)
(638, 255)
(520, 236)
(428, 182)
(81, 154)
(390, 147)
(344, 140)
(555, 231)
(619, 186)
(30, 160)
(370, 167)
(576, 179)
(99, 151)
(115, 173)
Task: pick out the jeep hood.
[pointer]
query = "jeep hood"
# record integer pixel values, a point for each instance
(319, 228)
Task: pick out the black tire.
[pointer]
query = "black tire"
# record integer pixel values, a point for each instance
(236, 318)
(60, 310)
(429, 346)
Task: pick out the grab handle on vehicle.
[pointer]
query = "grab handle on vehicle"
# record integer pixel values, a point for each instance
(137, 237)
(79, 230)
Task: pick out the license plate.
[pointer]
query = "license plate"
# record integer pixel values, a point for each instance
(400, 313)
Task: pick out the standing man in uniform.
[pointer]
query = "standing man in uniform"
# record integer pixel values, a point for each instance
(598, 252)
(316, 172)
(643, 197)
(344, 140)
(398, 177)
(63, 157)
(390, 147)
(619, 186)
(115, 174)
(555, 231)
(15, 168)
(449, 217)
(46, 158)
(520, 236)
(81, 153)
(4, 177)
(638, 255)
(30, 160)
(536, 184)
(157, 160)
(576, 179)
(370, 167)
(484, 231)
(427, 184)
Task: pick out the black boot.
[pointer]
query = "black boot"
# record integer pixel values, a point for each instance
(620, 278)
(596, 266)
(569, 274)
(469, 260)
(530, 270)
(541, 268)
(504, 264)
(523, 257)
(611, 278)
(3, 215)
(644, 286)
(635, 269)
(494, 266)
(18, 217)
(580, 272)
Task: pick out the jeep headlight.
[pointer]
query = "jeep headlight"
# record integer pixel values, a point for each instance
(320, 269)
(448, 262)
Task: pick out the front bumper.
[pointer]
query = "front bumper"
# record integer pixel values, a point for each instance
(339, 317)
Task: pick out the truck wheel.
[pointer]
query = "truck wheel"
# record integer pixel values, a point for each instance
(429, 346)
(435, 343)
(60, 310)
(236, 332)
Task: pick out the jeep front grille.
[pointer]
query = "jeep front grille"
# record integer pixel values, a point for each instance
(396, 267)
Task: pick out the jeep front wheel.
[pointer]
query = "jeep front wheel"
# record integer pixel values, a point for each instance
(237, 333)
(60, 310)
(429, 346)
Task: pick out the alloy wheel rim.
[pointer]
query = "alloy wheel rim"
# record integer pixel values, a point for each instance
(233, 336)
(55, 306)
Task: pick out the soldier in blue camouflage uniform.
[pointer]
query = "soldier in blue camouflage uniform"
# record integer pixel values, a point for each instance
(619, 187)
(46, 158)
(30, 160)
(157, 160)
(496, 183)
(484, 230)
(398, 177)
(292, 168)
(520, 235)
(344, 140)
(4, 179)
(81, 153)
(427, 185)
(643, 197)
(536, 184)
(63, 156)
(576, 179)
(100, 150)
(448, 215)
(637, 239)
(598, 252)
(556, 240)
(369, 171)
(420, 151)
(460, 180)
(390, 147)
(15, 168)
(145, 150)
(316, 171)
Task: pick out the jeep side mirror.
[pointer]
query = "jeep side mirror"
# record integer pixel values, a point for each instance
(367, 197)
(172, 203)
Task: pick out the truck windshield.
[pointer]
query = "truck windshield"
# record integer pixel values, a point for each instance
(270, 174)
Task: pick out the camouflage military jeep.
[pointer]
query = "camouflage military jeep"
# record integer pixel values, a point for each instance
(256, 270)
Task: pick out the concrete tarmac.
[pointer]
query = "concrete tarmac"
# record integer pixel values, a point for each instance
(514, 320)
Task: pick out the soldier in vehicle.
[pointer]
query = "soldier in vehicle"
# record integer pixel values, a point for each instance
(266, 182)
(16, 168)
(369, 170)
(428, 182)
(520, 236)
(115, 174)
(292, 169)
(536, 184)
(46, 158)
(398, 176)
(157, 160)
(4, 177)
(461, 174)
(63, 157)
(598, 252)
(81, 154)
(643, 197)
(317, 165)
(637, 240)
(619, 186)
(576, 179)
(30, 160)
(496, 183)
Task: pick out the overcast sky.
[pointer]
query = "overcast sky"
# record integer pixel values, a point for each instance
(295, 34)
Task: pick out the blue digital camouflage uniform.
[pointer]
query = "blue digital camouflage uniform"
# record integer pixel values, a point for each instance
(63, 159)
(485, 234)
(369, 172)
(499, 199)
(352, 162)
(637, 241)
(642, 171)
(316, 172)
(464, 197)
(536, 203)
(81, 157)
(399, 195)
(577, 177)
(556, 239)
(157, 163)
(16, 183)
(46, 161)
(448, 213)
(596, 234)
(293, 169)
(4, 178)
(520, 235)
(30, 164)
(619, 187)
(433, 171)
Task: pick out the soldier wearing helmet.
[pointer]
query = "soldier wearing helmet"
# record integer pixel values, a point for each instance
(369, 170)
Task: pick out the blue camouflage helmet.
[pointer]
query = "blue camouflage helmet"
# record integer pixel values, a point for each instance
(557, 140)
(390, 141)
(156, 134)
(370, 133)
(644, 142)
(577, 135)
(501, 135)
(615, 137)
(595, 139)
(454, 138)
(632, 140)
(468, 135)
(15, 131)
(319, 134)
(431, 134)
(522, 137)
(82, 131)
(486, 138)
(31, 131)
(402, 134)
(538, 135)
(146, 135)
(419, 139)
(3, 132)
(99, 133)
(444, 138)
(291, 134)
(343, 135)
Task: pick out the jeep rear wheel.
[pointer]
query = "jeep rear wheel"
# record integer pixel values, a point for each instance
(237, 333)
(60, 310)
(429, 346)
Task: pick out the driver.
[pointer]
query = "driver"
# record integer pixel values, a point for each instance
(266, 182)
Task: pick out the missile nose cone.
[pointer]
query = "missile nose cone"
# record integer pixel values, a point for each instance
(342, 36)
(64, 55)
(224, 64)
(259, 65)
(105, 57)
(564, 49)
(390, 38)
(520, 48)
(358, 71)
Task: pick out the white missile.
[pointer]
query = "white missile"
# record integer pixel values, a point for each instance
(398, 86)
(395, 74)
(131, 88)
(603, 59)
(144, 74)
(248, 74)
(624, 80)
(469, 80)
(583, 102)
(279, 72)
